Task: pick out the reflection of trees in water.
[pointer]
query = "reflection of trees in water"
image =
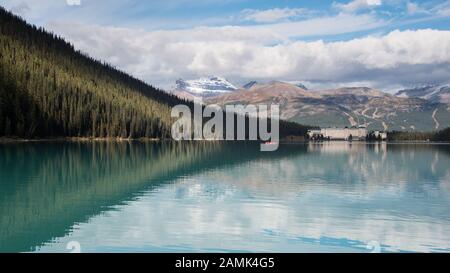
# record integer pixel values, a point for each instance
(46, 188)
(345, 168)
(377, 165)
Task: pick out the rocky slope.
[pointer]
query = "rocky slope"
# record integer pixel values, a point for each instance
(433, 93)
(344, 107)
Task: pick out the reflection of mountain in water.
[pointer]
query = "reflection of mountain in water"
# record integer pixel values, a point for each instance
(398, 195)
(47, 188)
(378, 165)
(340, 190)
(345, 167)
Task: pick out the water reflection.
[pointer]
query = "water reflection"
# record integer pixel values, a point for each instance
(224, 197)
(47, 187)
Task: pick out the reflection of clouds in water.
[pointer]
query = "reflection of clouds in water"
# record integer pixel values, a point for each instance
(388, 194)
(333, 170)
(234, 223)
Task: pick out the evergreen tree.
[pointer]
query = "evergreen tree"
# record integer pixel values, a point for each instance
(48, 89)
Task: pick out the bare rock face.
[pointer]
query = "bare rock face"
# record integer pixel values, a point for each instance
(349, 106)
(423, 109)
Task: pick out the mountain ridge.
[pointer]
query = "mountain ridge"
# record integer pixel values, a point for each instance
(50, 90)
(434, 93)
(344, 106)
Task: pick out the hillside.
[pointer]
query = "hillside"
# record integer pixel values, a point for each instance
(433, 93)
(48, 89)
(341, 107)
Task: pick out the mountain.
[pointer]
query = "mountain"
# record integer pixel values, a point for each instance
(204, 86)
(344, 107)
(275, 92)
(433, 93)
(48, 89)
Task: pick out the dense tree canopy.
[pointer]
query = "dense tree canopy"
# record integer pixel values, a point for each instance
(443, 135)
(48, 89)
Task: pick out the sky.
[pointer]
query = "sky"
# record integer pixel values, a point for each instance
(384, 44)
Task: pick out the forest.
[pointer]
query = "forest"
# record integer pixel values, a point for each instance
(50, 89)
(443, 135)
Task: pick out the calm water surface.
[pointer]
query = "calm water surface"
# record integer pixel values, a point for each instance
(167, 197)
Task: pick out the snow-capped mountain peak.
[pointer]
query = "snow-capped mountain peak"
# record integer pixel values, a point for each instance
(433, 93)
(205, 85)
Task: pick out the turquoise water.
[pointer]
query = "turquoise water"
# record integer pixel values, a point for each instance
(168, 197)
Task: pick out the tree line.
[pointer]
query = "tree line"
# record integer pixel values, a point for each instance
(443, 135)
(49, 89)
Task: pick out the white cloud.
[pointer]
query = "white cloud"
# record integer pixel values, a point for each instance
(241, 53)
(272, 15)
(356, 5)
(268, 51)
(161, 56)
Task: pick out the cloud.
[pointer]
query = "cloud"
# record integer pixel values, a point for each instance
(162, 56)
(270, 49)
(356, 5)
(273, 15)
(242, 53)
(22, 8)
(323, 26)
(414, 8)
(443, 9)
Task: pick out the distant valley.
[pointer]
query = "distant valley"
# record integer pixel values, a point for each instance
(419, 109)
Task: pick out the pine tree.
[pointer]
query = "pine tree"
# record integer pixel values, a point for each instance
(48, 89)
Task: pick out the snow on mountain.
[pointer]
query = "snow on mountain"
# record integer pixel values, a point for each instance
(433, 93)
(205, 86)
(344, 106)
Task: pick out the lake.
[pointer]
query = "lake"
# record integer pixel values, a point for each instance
(224, 197)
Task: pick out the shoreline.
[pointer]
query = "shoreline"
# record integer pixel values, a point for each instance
(75, 139)
(5, 140)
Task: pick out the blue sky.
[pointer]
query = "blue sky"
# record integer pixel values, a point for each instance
(323, 43)
(181, 14)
